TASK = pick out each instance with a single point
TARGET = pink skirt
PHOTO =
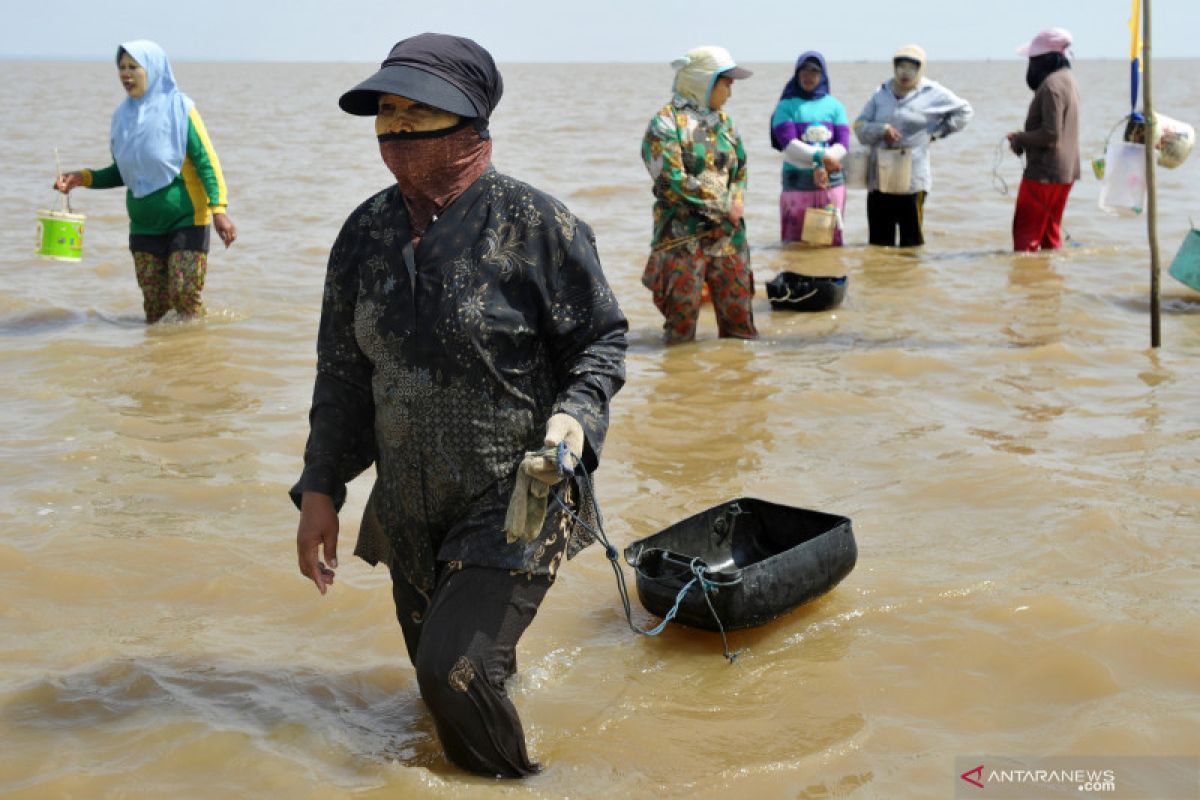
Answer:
(792, 206)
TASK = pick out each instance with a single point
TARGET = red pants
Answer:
(676, 279)
(1037, 220)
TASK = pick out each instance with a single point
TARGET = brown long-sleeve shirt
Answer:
(1051, 135)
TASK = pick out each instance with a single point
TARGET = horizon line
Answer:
(95, 59)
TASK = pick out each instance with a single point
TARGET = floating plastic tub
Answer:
(1185, 267)
(791, 291)
(762, 560)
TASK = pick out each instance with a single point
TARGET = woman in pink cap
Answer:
(1049, 142)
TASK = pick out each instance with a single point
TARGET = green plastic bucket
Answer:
(60, 235)
(1186, 266)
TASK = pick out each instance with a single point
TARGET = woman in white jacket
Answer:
(905, 114)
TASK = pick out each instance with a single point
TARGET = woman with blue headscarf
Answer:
(174, 186)
(811, 129)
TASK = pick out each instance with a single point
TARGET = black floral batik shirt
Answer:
(441, 365)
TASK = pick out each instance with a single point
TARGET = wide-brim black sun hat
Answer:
(448, 72)
(409, 82)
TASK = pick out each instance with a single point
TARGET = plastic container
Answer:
(1174, 140)
(894, 170)
(1185, 268)
(762, 559)
(1124, 189)
(855, 166)
(791, 291)
(820, 225)
(60, 235)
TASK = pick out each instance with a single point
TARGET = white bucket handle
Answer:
(66, 196)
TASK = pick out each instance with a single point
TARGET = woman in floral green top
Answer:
(696, 159)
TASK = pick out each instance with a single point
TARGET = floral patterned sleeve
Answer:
(341, 440)
(662, 151)
(587, 337)
(738, 177)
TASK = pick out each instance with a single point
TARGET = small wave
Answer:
(360, 710)
(609, 190)
(118, 320)
(40, 321)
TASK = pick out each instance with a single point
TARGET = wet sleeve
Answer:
(105, 178)
(587, 338)
(208, 167)
(663, 156)
(341, 439)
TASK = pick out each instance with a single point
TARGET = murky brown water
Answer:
(1023, 473)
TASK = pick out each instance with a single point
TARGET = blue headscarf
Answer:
(793, 88)
(149, 133)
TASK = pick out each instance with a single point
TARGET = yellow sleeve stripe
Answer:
(196, 193)
(202, 205)
(202, 132)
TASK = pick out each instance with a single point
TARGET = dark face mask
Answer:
(1042, 67)
(434, 167)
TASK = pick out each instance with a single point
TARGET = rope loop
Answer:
(696, 566)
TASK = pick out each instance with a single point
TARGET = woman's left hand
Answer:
(225, 228)
(821, 177)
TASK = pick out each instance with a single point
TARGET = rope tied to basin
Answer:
(697, 567)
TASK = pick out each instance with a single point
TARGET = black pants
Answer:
(462, 640)
(463, 645)
(886, 212)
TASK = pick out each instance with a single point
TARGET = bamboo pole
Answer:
(1151, 196)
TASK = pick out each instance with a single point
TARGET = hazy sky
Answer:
(598, 30)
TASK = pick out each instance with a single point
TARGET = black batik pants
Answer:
(462, 640)
(887, 212)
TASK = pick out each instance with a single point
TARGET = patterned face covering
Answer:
(434, 167)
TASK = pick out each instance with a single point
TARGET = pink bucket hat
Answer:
(1051, 40)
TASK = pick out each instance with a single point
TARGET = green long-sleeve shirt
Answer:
(197, 192)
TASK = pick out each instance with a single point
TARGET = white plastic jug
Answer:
(1174, 140)
(1124, 189)
(894, 170)
(855, 166)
